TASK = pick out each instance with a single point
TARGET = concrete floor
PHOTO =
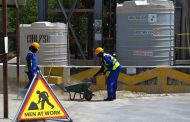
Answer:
(131, 108)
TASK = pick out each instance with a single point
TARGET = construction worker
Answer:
(109, 63)
(31, 67)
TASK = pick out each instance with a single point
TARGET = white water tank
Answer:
(53, 42)
(145, 33)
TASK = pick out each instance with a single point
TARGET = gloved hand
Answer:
(104, 73)
(38, 69)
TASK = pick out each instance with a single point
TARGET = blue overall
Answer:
(112, 79)
(31, 67)
(112, 83)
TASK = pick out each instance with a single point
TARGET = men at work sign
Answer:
(40, 103)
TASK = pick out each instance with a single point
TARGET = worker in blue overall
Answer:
(31, 67)
(109, 63)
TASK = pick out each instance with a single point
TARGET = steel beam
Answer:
(70, 26)
(17, 43)
(98, 7)
(42, 10)
(75, 10)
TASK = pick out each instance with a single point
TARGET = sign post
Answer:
(5, 57)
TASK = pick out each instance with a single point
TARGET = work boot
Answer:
(108, 99)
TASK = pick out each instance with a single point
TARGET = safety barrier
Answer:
(151, 80)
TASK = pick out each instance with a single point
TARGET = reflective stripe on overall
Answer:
(114, 61)
(26, 66)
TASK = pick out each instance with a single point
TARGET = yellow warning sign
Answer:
(41, 103)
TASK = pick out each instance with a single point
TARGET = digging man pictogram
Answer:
(43, 97)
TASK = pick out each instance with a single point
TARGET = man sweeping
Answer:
(109, 63)
(31, 67)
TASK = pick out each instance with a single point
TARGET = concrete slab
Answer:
(132, 107)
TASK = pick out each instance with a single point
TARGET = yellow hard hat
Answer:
(99, 50)
(36, 45)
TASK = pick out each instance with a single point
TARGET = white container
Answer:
(53, 42)
(145, 33)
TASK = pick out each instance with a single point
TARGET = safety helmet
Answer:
(36, 45)
(99, 50)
